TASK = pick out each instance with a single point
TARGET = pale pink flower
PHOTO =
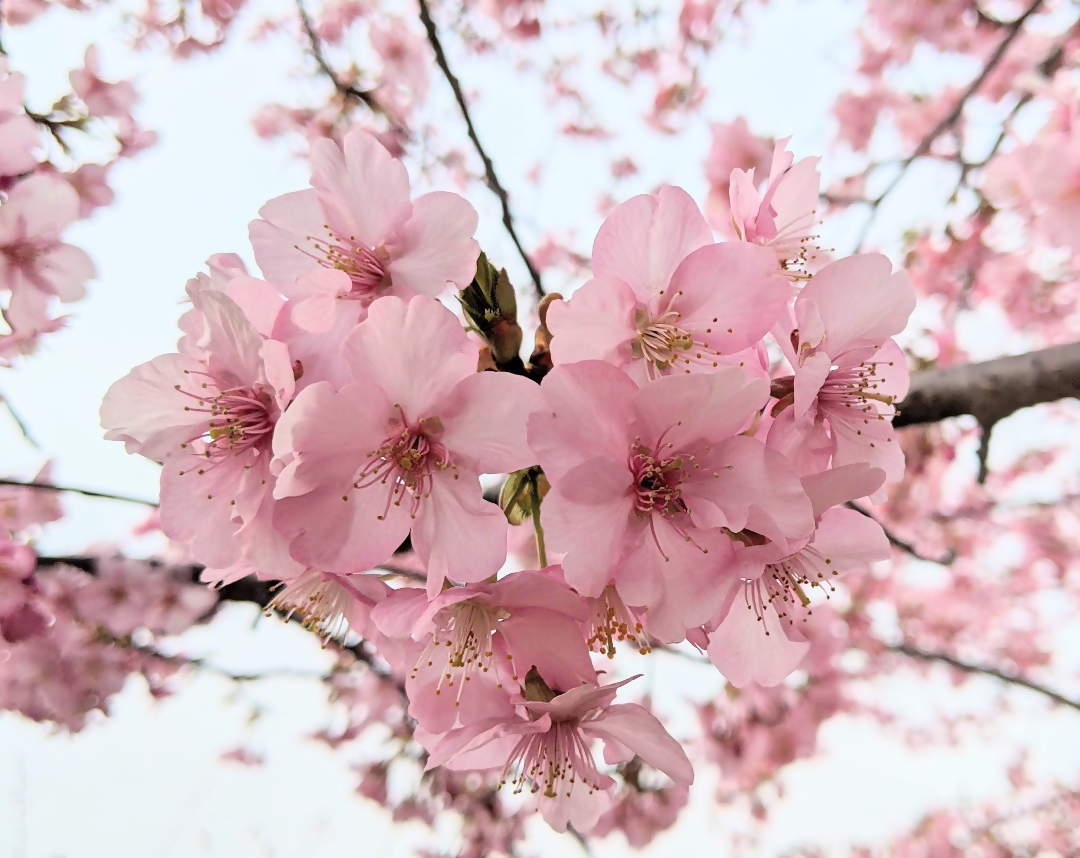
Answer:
(401, 448)
(480, 641)
(849, 372)
(34, 263)
(357, 236)
(19, 134)
(100, 97)
(733, 147)
(210, 421)
(643, 480)
(762, 643)
(404, 53)
(551, 750)
(664, 298)
(784, 217)
(331, 605)
(90, 182)
(22, 508)
(132, 138)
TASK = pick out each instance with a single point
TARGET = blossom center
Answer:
(238, 419)
(366, 266)
(462, 645)
(857, 386)
(661, 343)
(610, 620)
(552, 761)
(406, 463)
(782, 586)
(321, 600)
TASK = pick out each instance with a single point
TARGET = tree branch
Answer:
(966, 667)
(364, 96)
(86, 492)
(1014, 28)
(992, 390)
(903, 544)
(489, 169)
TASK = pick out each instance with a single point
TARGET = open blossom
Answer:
(401, 448)
(755, 636)
(101, 97)
(548, 751)
(480, 641)
(664, 298)
(784, 217)
(209, 415)
(19, 134)
(645, 480)
(356, 236)
(35, 265)
(848, 370)
(330, 604)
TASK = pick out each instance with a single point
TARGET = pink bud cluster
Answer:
(711, 410)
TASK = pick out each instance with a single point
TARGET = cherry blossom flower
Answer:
(210, 419)
(643, 480)
(35, 264)
(550, 748)
(784, 217)
(401, 448)
(479, 641)
(848, 370)
(100, 97)
(19, 134)
(331, 604)
(763, 644)
(664, 298)
(356, 236)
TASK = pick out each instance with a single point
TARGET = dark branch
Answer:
(992, 390)
(966, 667)
(1013, 30)
(86, 492)
(903, 544)
(365, 97)
(489, 169)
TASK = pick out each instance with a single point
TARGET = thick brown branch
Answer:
(993, 389)
(983, 670)
(489, 169)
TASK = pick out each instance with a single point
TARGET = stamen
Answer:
(610, 620)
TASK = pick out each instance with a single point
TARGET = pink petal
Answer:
(550, 642)
(693, 411)
(457, 533)
(587, 416)
(810, 374)
(591, 536)
(365, 192)
(144, 409)
(734, 283)
(838, 485)
(643, 240)
(743, 652)
(260, 302)
(435, 248)
(416, 352)
(324, 437)
(635, 727)
(806, 445)
(286, 222)
(849, 540)
(860, 300)
(536, 590)
(484, 421)
(596, 324)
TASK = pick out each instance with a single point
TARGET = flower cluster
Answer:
(709, 411)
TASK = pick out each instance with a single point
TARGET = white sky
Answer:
(149, 780)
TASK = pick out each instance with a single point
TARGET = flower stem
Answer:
(541, 550)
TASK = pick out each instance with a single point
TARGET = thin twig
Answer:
(23, 428)
(903, 544)
(87, 492)
(983, 670)
(489, 169)
(1014, 29)
(364, 96)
